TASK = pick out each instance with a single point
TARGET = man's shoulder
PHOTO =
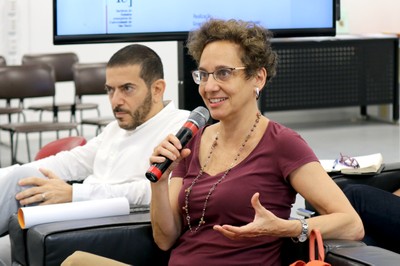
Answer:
(183, 112)
(112, 125)
(174, 119)
(179, 116)
(179, 113)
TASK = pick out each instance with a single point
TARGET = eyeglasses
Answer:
(346, 161)
(222, 74)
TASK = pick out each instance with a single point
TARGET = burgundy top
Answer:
(279, 152)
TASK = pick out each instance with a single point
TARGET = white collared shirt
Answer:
(114, 163)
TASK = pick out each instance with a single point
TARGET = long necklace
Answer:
(213, 187)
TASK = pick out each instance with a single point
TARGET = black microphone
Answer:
(197, 119)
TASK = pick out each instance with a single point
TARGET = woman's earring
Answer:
(257, 93)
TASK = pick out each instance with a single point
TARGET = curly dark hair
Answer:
(252, 38)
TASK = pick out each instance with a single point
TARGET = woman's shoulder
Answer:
(276, 128)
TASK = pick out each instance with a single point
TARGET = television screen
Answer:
(91, 21)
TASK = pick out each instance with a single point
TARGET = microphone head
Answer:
(199, 116)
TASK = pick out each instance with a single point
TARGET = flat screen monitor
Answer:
(102, 21)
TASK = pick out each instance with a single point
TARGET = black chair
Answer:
(3, 61)
(50, 244)
(61, 64)
(30, 81)
(90, 79)
(8, 109)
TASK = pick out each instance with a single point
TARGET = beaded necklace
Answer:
(213, 187)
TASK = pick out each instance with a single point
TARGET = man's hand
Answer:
(48, 190)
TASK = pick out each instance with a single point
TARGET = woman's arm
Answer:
(165, 214)
(337, 218)
(164, 208)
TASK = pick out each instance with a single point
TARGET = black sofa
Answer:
(126, 238)
(129, 239)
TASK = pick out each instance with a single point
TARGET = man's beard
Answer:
(139, 116)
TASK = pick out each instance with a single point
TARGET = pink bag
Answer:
(315, 236)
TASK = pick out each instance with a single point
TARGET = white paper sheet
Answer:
(30, 216)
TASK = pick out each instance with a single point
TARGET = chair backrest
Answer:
(3, 61)
(26, 81)
(56, 146)
(61, 62)
(89, 78)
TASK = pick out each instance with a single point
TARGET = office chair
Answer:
(3, 61)
(62, 64)
(90, 79)
(9, 110)
(30, 81)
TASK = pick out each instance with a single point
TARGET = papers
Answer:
(368, 164)
(30, 216)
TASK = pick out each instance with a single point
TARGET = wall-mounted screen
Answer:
(91, 21)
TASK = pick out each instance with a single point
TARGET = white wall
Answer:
(366, 16)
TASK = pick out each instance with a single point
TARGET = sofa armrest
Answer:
(362, 255)
(126, 238)
(341, 252)
(331, 244)
(293, 251)
(388, 179)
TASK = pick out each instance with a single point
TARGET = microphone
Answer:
(197, 119)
